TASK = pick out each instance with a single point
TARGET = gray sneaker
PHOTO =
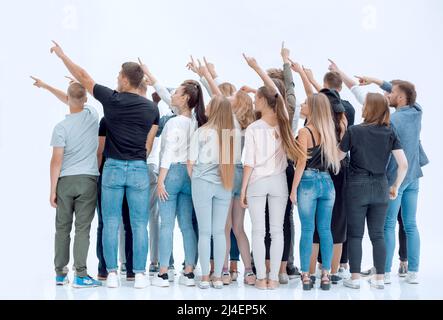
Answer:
(283, 278)
(402, 270)
(368, 273)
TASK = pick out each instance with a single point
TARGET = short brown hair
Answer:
(276, 74)
(408, 89)
(376, 110)
(76, 91)
(134, 73)
(333, 80)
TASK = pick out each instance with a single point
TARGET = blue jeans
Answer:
(316, 197)
(407, 200)
(130, 177)
(179, 204)
(211, 202)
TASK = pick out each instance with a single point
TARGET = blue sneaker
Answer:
(61, 280)
(85, 282)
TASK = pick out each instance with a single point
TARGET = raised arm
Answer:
(262, 74)
(306, 83)
(207, 75)
(59, 94)
(289, 82)
(164, 94)
(77, 72)
(312, 80)
(349, 82)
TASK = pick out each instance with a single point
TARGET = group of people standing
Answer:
(206, 164)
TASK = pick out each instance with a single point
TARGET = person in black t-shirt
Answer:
(132, 124)
(367, 193)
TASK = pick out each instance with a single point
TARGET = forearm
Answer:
(162, 175)
(59, 94)
(266, 79)
(299, 170)
(150, 139)
(290, 91)
(316, 85)
(247, 172)
(349, 82)
(306, 84)
(77, 72)
(55, 171)
(190, 167)
(163, 93)
(215, 90)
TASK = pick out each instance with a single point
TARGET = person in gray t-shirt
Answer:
(74, 174)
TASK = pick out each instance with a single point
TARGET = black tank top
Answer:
(316, 161)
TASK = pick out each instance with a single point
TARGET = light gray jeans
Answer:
(211, 203)
(275, 190)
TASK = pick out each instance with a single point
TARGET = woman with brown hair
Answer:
(269, 143)
(367, 192)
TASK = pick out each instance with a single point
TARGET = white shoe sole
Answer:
(187, 283)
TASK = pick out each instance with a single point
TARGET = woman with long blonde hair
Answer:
(313, 190)
(211, 166)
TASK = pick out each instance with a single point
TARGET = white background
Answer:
(388, 39)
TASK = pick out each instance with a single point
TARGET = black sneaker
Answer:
(161, 280)
(335, 279)
(293, 272)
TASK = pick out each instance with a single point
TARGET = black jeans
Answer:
(367, 198)
(128, 234)
(287, 222)
(403, 250)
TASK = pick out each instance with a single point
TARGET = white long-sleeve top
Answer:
(175, 141)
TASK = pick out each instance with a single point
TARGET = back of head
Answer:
(333, 80)
(243, 108)
(193, 90)
(143, 87)
(227, 89)
(77, 93)
(321, 118)
(408, 89)
(275, 73)
(376, 110)
(276, 103)
(134, 73)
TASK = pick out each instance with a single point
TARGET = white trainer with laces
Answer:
(141, 281)
(113, 280)
(412, 278)
(377, 284)
(353, 284)
(387, 279)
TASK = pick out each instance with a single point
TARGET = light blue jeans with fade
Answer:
(130, 177)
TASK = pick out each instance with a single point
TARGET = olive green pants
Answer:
(75, 195)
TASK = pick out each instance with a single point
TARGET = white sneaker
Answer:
(171, 275)
(377, 284)
(412, 278)
(160, 281)
(187, 280)
(113, 281)
(204, 285)
(344, 273)
(387, 279)
(217, 284)
(141, 281)
(353, 284)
